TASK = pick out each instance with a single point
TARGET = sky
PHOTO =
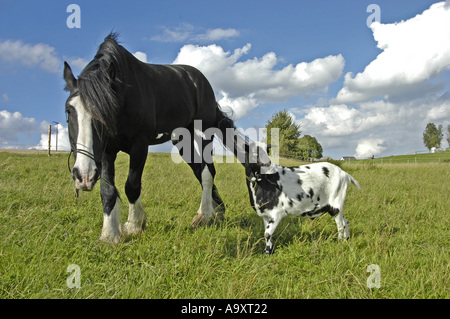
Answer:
(363, 77)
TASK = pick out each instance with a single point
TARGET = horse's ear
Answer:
(71, 82)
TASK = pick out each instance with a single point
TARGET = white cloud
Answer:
(341, 120)
(5, 97)
(11, 124)
(141, 56)
(438, 112)
(369, 147)
(63, 138)
(40, 54)
(245, 84)
(217, 34)
(78, 62)
(341, 128)
(384, 109)
(174, 34)
(187, 32)
(209, 58)
(414, 51)
(240, 105)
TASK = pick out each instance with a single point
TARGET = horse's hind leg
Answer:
(206, 209)
(136, 214)
(219, 206)
(211, 204)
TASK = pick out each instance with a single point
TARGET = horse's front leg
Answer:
(137, 217)
(111, 230)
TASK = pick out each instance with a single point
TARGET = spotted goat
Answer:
(305, 191)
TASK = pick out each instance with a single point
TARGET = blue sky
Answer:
(359, 90)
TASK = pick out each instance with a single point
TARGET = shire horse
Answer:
(119, 103)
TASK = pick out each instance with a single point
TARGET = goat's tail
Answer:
(231, 138)
(354, 181)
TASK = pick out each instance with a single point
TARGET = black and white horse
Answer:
(119, 103)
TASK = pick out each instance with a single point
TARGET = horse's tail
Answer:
(231, 138)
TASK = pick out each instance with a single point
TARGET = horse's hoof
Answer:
(131, 230)
(219, 216)
(199, 220)
(110, 240)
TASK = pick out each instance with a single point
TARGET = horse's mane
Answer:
(99, 84)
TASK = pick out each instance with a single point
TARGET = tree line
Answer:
(291, 144)
(432, 136)
(307, 147)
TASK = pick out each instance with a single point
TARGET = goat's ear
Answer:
(263, 157)
(71, 82)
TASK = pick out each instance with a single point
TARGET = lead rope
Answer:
(70, 171)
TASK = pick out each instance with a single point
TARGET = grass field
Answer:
(400, 221)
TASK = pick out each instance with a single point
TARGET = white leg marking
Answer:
(206, 210)
(207, 202)
(111, 230)
(136, 218)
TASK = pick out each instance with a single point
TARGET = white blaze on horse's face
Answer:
(84, 172)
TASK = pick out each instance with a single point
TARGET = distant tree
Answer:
(308, 147)
(290, 142)
(289, 132)
(432, 136)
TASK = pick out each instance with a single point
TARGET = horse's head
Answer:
(84, 139)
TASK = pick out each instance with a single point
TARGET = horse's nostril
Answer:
(76, 174)
(96, 175)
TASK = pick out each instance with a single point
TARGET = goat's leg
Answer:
(342, 226)
(271, 222)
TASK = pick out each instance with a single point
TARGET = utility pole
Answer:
(57, 123)
(49, 138)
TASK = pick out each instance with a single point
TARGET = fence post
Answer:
(49, 138)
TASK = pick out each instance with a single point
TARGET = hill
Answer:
(410, 159)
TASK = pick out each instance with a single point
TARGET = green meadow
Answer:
(399, 221)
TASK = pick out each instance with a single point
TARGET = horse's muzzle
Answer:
(85, 182)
